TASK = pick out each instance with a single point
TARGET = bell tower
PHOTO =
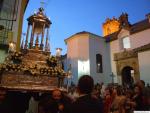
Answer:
(110, 26)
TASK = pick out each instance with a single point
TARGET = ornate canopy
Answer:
(39, 19)
(33, 68)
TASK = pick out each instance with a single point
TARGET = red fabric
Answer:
(107, 104)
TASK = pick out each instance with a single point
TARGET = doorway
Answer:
(127, 76)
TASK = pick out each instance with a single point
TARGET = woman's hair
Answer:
(119, 91)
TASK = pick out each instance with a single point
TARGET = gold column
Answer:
(26, 43)
(37, 42)
(43, 31)
(32, 36)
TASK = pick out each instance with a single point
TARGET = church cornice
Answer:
(81, 33)
(142, 48)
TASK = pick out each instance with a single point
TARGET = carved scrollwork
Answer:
(124, 55)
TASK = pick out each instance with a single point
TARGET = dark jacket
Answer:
(52, 106)
(139, 103)
(15, 102)
(87, 104)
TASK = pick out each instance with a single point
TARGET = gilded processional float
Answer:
(33, 68)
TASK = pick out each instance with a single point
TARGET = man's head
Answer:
(141, 84)
(85, 84)
(56, 94)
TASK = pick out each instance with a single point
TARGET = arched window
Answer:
(99, 64)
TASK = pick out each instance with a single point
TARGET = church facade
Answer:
(129, 50)
(124, 50)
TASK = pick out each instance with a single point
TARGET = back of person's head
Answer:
(142, 81)
(119, 91)
(85, 84)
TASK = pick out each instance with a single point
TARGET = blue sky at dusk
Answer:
(71, 16)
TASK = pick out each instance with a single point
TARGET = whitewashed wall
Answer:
(99, 46)
(78, 55)
(140, 38)
(72, 54)
(144, 66)
(83, 55)
(114, 48)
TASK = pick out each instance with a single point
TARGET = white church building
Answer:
(120, 56)
(88, 54)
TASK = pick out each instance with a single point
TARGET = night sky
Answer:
(71, 16)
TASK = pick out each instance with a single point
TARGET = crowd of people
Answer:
(121, 99)
(89, 98)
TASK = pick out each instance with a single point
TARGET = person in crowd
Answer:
(33, 103)
(97, 95)
(117, 105)
(74, 94)
(86, 103)
(107, 99)
(57, 103)
(14, 102)
(128, 102)
(103, 87)
(138, 99)
(2, 95)
(97, 87)
(2, 98)
(145, 94)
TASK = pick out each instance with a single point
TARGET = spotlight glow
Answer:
(83, 68)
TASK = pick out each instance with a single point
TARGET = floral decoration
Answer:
(16, 57)
(34, 69)
(52, 61)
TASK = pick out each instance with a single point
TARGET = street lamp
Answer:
(58, 56)
(12, 47)
(58, 52)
